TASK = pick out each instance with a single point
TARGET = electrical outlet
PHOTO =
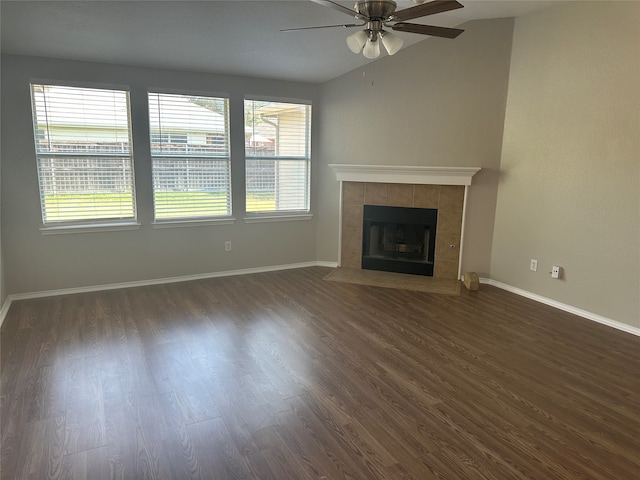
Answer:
(555, 271)
(533, 266)
(227, 246)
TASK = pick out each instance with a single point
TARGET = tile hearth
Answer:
(416, 283)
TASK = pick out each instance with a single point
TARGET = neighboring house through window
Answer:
(190, 156)
(84, 155)
(277, 156)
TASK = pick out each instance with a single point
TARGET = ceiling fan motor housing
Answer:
(376, 10)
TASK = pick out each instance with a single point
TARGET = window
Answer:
(84, 156)
(190, 156)
(277, 156)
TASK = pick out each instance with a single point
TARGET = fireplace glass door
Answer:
(398, 239)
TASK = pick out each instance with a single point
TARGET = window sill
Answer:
(194, 223)
(89, 228)
(278, 218)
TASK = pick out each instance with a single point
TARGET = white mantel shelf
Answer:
(419, 175)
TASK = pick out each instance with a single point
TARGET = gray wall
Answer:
(439, 103)
(3, 286)
(569, 192)
(36, 262)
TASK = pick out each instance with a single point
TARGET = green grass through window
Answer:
(104, 206)
(88, 206)
(261, 202)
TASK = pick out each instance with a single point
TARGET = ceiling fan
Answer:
(379, 14)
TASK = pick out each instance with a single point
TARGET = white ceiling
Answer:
(229, 36)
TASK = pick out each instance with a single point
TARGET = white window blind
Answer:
(277, 156)
(190, 156)
(84, 156)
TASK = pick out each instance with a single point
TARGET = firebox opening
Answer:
(398, 239)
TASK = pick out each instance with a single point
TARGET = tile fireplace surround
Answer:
(442, 188)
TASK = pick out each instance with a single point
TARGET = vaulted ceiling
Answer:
(229, 36)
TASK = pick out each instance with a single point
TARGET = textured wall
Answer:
(3, 286)
(35, 262)
(569, 192)
(438, 103)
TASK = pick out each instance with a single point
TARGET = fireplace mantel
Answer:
(420, 175)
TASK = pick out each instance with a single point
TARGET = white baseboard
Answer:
(326, 264)
(5, 309)
(563, 306)
(155, 281)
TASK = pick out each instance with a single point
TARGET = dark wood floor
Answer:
(286, 376)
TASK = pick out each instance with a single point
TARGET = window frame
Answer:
(285, 214)
(188, 221)
(81, 225)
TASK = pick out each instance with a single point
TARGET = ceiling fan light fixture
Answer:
(356, 41)
(380, 14)
(372, 48)
(392, 43)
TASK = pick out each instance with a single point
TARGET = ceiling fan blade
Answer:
(344, 25)
(340, 8)
(432, 30)
(431, 8)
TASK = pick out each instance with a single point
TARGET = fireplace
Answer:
(399, 239)
(441, 189)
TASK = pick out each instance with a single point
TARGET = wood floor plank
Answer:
(214, 446)
(284, 375)
(94, 464)
(283, 465)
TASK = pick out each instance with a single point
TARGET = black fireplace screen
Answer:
(398, 239)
